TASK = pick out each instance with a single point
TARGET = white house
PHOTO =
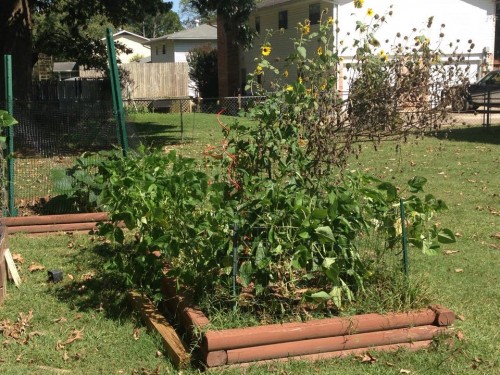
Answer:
(464, 20)
(175, 47)
(134, 42)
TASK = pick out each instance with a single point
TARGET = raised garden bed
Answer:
(54, 223)
(311, 340)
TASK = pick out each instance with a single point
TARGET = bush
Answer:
(203, 71)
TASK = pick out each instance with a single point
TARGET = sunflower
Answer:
(358, 3)
(259, 70)
(285, 73)
(383, 55)
(289, 88)
(330, 20)
(369, 12)
(319, 51)
(266, 50)
(306, 29)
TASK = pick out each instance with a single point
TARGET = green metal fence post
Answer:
(116, 92)
(9, 96)
(404, 239)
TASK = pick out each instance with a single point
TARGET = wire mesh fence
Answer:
(62, 120)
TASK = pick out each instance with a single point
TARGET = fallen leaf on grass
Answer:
(367, 358)
(70, 276)
(404, 371)
(75, 335)
(65, 356)
(62, 319)
(460, 336)
(158, 354)
(493, 246)
(459, 270)
(35, 267)
(87, 276)
(71, 245)
(136, 334)
(18, 358)
(460, 317)
(18, 258)
(451, 252)
(495, 235)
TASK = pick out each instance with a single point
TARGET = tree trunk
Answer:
(228, 59)
(15, 40)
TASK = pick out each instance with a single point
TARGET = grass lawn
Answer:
(462, 166)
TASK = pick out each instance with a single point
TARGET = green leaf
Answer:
(336, 296)
(320, 297)
(302, 52)
(6, 119)
(392, 192)
(446, 236)
(319, 213)
(325, 234)
(417, 183)
(246, 273)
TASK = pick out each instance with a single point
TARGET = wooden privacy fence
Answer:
(152, 80)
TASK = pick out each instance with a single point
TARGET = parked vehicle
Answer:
(485, 92)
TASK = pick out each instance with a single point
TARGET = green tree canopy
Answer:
(234, 13)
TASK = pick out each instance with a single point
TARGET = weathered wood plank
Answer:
(154, 320)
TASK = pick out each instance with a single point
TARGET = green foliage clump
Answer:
(203, 71)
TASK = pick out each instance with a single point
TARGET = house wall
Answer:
(176, 50)
(281, 41)
(464, 20)
(137, 47)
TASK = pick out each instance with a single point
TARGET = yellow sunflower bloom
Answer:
(369, 12)
(330, 20)
(359, 3)
(266, 50)
(319, 51)
(306, 29)
(259, 70)
(289, 88)
(285, 73)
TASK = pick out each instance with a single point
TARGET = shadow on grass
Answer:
(476, 134)
(157, 135)
(103, 290)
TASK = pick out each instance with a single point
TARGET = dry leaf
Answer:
(70, 276)
(158, 354)
(460, 317)
(493, 246)
(35, 267)
(136, 333)
(404, 371)
(18, 258)
(62, 319)
(495, 235)
(71, 245)
(18, 358)
(367, 358)
(78, 316)
(75, 335)
(459, 270)
(65, 356)
(460, 336)
(390, 364)
(450, 252)
(87, 276)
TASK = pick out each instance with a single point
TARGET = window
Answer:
(283, 19)
(257, 24)
(314, 13)
(164, 50)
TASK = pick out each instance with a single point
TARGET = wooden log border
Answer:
(54, 223)
(3, 266)
(311, 340)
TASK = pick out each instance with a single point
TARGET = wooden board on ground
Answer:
(11, 267)
(156, 321)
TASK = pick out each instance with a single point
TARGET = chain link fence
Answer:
(62, 120)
